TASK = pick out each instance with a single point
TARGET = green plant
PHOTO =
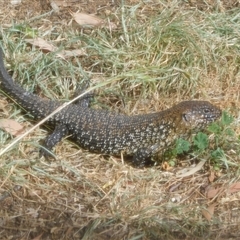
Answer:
(215, 145)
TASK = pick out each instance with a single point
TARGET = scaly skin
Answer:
(140, 136)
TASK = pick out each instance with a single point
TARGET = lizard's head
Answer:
(198, 114)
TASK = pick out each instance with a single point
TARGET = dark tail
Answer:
(38, 107)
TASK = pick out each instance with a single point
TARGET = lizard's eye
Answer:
(206, 110)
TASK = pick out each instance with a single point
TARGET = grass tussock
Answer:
(160, 54)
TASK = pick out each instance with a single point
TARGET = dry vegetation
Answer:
(146, 56)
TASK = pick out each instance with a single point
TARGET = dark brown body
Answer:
(141, 136)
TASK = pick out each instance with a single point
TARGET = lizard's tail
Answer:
(38, 107)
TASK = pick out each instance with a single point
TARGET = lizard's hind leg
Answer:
(85, 100)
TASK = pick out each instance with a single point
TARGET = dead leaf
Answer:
(42, 44)
(84, 19)
(211, 177)
(73, 53)
(235, 187)
(54, 6)
(47, 47)
(87, 20)
(64, 3)
(191, 170)
(208, 213)
(213, 192)
(11, 126)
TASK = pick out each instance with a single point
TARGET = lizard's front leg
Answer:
(59, 132)
(143, 157)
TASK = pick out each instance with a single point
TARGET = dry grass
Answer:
(160, 54)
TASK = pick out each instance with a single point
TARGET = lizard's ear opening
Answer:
(186, 117)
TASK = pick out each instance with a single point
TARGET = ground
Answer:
(149, 55)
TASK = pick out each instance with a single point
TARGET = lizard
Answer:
(101, 131)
